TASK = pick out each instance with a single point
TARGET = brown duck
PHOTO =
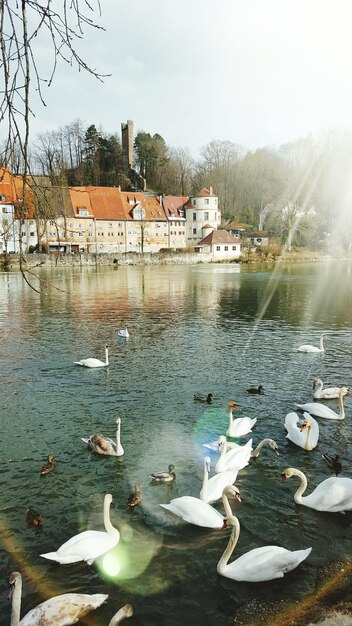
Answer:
(135, 498)
(48, 466)
(34, 518)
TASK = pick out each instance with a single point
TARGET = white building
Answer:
(221, 245)
(9, 239)
(202, 211)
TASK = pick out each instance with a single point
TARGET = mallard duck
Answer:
(256, 390)
(333, 462)
(135, 498)
(34, 518)
(48, 466)
(204, 398)
(164, 476)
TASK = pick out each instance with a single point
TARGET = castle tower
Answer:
(127, 140)
(202, 215)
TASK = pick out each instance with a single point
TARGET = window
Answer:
(83, 212)
(2, 198)
(194, 231)
(182, 213)
(226, 248)
(90, 234)
(218, 248)
(152, 213)
(110, 225)
(206, 200)
(234, 247)
(31, 234)
(80, 234)
(194, 203)
(194, 216)
(52, 223)
(206, 215)
(4, 209)
(23, 234)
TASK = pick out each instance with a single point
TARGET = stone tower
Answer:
(127, 146)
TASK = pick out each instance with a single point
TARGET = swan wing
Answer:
(64, 610)
(330, 393)
(318, 409)
(90, 363)
(101, 444)
(235, 459)
(86, 546)
(265, 563)
(241, 426)
(333, 494)
(217, 484)
(308, 348)
(195, 511)
(213, 445)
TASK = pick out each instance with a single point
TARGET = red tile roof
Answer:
(152, 207)
(173, 204)
(219, 236)
(204, 193)
(103, 203)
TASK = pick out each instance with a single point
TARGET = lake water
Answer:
(193, 329)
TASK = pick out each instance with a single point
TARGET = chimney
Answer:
(211, 190)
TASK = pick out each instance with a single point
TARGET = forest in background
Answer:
(306, 183)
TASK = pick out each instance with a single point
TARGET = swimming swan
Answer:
(212, 488)
(88, 545)
(125, 611)
(329, 393)
(195, 511)
(104, 445)
(310, 348)
(123, 333)
(238, 456)
(333, 494)
(320, 410)
(61, 610)
(260, 564)
(95, 362)
(240, 426)
(304, 434)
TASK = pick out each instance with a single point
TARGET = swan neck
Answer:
(107, 523)
(307, 445)
(230, 546)
(256, 452)
(118, 617)
(322, 343)
(230, 416)
(341, 406)
(106, 356)
(16, 603)
(118, 436)
(302, 487)
(226, 504)
(205, 482)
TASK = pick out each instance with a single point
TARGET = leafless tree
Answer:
(22, 23)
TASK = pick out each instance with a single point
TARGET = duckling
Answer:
(204, 398)
(48, 466)
(164, 476)
(135, 497)
(256, 390)
(34, 518)
(333, 462)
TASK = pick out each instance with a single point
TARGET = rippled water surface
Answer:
(192, 329)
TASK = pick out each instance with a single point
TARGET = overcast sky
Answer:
(254, 72)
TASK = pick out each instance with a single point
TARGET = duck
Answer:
(332, 495)
(237, 457)
(240, 426)
(309, 348)
(164, 476)
(329, 393)
(135, 498)
(259, 564)
(88, 545)
(199, 513)
(333, 462)
(303, 434)
(48, 466)
(91, 362)
(256, 390)
(320, 410)
(125, 611)
(104, 445)
(61, 610)
(204, 398)
(123, 333)
(212, 488)
(34, 518)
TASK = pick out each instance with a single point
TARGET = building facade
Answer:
(201, 210)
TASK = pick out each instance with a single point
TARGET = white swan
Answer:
(95, 362)
(240, 426)
(125, 611)
(212, 488)
(90, 544)
(320, 410)
(333, 494)
(123, 333)
(329, 393)
(195, 511)
(309, 348)
(238, 456)
(304, 434)
(104, 445)
(61, 610)
(260, 564)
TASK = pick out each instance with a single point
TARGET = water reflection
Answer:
(192, 329)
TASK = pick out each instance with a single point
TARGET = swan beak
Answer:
(282, 478)
(238, 497)
(277, 452)
(224, 525)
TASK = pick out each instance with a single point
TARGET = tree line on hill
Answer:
(302, 188)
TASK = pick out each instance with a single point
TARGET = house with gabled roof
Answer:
(175, 210)
(147, 228)
(16, 212)
(220, 244)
